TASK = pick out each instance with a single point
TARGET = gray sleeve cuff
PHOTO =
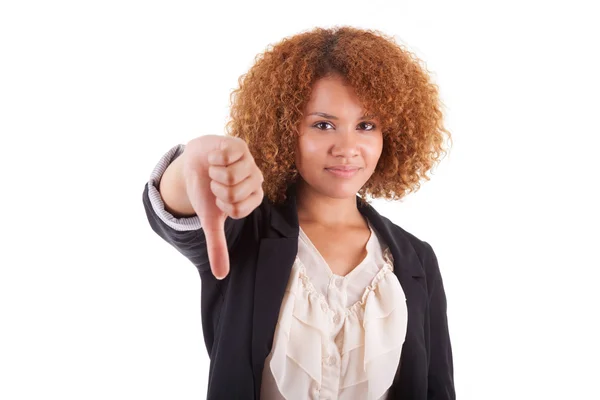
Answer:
(158, 206)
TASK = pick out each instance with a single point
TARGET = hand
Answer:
(221, 180)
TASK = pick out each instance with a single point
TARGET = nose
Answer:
(345, 144)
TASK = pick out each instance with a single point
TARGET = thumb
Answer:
(216, 243)
(212, 222)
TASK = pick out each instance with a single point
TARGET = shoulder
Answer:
(421, 247)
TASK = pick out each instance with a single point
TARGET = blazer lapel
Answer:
(276, 256)
(406, 262)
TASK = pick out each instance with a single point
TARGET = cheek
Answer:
(308, 149)
(379, 146)
(309, 146)
(373, 153)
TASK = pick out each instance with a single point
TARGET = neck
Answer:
(316, 208)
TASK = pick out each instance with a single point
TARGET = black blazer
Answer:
(240, 312)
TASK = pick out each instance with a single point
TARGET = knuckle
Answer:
(230, 195)
(225, 156)
(230, 178)
(237, 145)
(241, 142)
(236, 211)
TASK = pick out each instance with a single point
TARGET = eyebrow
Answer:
(325, 115)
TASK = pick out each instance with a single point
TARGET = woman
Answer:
(307, 291)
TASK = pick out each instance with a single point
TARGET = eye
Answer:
(321, 123)
(373, 126)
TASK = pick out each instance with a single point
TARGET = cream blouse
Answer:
(337, 337)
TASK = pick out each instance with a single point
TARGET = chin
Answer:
(339, 191)
(335, 189)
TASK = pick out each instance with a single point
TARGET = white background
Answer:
(94, 305)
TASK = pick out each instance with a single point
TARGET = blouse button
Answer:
(336, 318)
(331, 360)
(323, 307)
(338, 282)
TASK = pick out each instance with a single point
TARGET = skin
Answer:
(327, 203)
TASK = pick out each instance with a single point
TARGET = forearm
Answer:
(173, 191)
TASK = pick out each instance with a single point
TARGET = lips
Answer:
(342, 172)
(343, 168)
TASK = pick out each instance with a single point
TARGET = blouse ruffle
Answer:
(369, 342)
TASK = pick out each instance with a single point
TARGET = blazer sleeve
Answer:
(441, 370)
(184, 234)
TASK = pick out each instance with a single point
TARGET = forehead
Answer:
(332, 94)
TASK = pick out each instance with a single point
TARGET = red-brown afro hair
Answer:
(389, 81)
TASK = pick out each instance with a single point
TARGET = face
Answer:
(338, 147)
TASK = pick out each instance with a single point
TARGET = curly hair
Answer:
(268, 106)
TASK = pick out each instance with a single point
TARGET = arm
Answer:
(182, 230)
(162, 190)
(172, 188)
(441, 370)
